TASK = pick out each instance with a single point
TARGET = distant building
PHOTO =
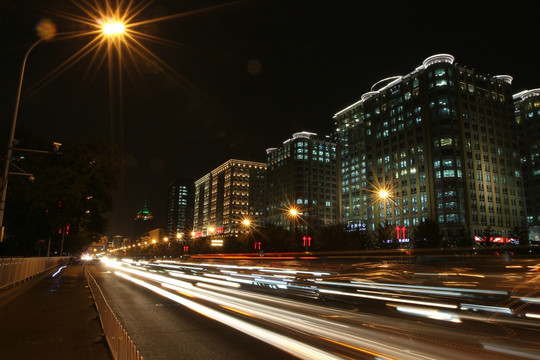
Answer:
(144, 220)
(153, 236)
(527, 112)
(444, 141)
(180, 203)
(117, 241)
(303, 174)
(229, 194)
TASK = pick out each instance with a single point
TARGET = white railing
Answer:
(120, 344)
(15, 270)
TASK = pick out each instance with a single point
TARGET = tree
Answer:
(331, 238)
(384, 234)
(520, 233)
(275, 238)
(68, 198)
(427, 234)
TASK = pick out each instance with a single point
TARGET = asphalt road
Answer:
(373, 311)
(162, 329)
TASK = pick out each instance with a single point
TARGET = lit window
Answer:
(446, 141)
(441, 82)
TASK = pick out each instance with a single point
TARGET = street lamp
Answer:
(293, 214)
(11, 139)
(46, 30)
(113, 28)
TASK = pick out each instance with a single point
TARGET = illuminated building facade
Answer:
(228, 195)
(527, 111)
(302, 174)
(144, 220)
(180, 208)
(444, 141)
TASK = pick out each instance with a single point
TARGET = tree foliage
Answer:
(71, 192)
(427, 234)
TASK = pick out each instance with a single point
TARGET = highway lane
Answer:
(396, 320)
(163, 329)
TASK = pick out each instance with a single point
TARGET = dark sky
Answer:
(235, 79)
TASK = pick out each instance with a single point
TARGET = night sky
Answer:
(231, 79)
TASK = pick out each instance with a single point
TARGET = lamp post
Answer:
(11, 139)
(246, 223)
(46, 31)
(384, 194)
(293, 214)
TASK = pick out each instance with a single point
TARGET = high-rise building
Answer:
(180, 201)
(228, 195)
(302, 175)
(527, 107)
(443, 141)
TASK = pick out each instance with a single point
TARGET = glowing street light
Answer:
(246, 222)
(46, 30)
(113, 27)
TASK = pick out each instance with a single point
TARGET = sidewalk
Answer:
(51, 318)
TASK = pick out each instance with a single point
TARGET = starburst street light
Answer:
(113, 27)
(46, 30)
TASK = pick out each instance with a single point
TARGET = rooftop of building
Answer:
(386, 83)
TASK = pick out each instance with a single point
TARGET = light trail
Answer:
(296, 348)
(387, 298)
(347, 330)
(354, 337)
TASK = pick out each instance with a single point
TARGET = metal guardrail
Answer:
(120, 344)
(15, 270)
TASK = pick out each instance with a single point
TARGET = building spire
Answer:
(145, 213)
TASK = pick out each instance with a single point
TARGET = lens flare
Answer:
(113, 28)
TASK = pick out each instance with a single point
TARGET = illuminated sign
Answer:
(217, 242)
(497, 240)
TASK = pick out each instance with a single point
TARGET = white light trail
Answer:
(495, 309)
(58, 271)
(296, 348)
(430, 313)
(319, 328)
(387, 298)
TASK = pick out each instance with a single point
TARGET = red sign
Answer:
(402, 229)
